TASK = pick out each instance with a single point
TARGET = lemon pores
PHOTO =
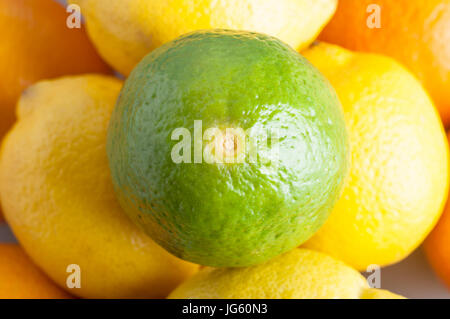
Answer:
(398, 181)
(57, 195)
(298, 274)
(215, 212)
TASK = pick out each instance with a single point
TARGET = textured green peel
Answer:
(228, 214)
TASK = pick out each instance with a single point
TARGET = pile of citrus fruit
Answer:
(221, 149)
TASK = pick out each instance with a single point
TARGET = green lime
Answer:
(228, 148)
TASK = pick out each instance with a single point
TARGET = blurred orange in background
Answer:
(416, 33)
(37, 44)
(437, 245)
(21, 279)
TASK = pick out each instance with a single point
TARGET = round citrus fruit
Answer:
(298, 274)
(21, 279)
(437, 246)
(415, 33)
(57, 194)
(124, 31)
(398, 180)
(227, 147)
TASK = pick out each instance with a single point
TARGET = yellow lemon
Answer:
(397, 186)
(124, 31)
(298, 274)
(57, 195)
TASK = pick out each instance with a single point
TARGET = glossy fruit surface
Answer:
(124, 31)
(398, 181)
(58, 198)
(208, 210)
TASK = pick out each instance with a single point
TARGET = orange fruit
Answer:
(436, 246)
(37, 44)
(21, 279)
(416, 33)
